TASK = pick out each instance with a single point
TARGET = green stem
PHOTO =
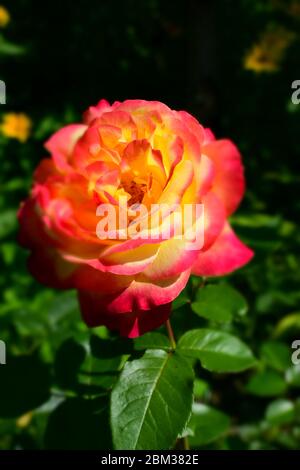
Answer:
(185, 441)
(171, 334)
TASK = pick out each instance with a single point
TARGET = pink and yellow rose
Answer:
(148, 153)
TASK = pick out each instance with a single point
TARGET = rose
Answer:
(150, 154)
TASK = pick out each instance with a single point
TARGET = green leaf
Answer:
(151, 340)
(217, 351)
(10, 49)
(267, 383)
(25, 385)
(68, 360)
(206, 425)
(151, 402)
(180, 301)
(78, 370)
(97, 374)
(292, 376)
(110, 348)
(276, 355)
(200, 388)
(62, 307)
(219, 303)
(280, 411)
(288, 324)
(78, 424)
(8, 222)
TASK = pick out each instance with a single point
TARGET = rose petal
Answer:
(229, 182)
(95, 112)
(224, 256)
(130, 325)
(62, 143)
(141, 294)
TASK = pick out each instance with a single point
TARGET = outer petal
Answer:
(130, 324)
(229, 183)
(49, 268)
(193, 125)
(225, 255)
(208, 135)
(214, 218)
(206, 171)
(93, 112)
(61, 144)
(143, 106)
(141, 294)
(140, 307)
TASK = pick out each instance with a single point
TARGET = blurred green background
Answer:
(231, 64)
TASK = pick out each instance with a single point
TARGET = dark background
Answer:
(189, 55)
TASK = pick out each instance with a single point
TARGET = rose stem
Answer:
(185, 441)
(171, 334)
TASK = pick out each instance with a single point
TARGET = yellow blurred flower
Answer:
(24, 420)
(294, 9)
(291, 8)
(4, 17)
(16, 125)
(267, 54)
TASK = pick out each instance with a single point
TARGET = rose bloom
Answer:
(150, 154)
